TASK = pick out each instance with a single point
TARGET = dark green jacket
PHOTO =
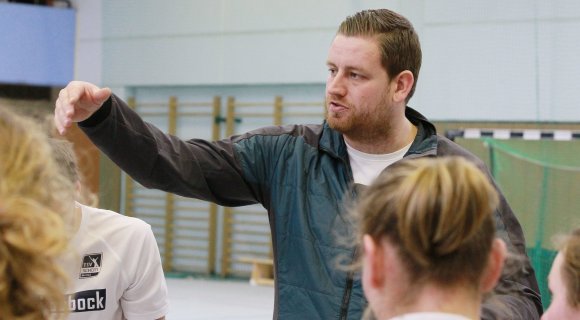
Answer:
(301, 175)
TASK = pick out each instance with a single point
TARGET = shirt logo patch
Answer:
(89, 300)
(91, 265)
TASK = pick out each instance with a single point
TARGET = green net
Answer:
(541, 181)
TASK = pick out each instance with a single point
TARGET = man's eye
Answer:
(355, 75)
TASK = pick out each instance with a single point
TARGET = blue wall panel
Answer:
(36, 44)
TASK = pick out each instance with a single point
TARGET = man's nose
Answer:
(336, 86)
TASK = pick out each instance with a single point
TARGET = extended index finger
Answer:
(66, 104)
(71, 96)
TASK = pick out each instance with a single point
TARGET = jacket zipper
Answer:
(346, 296)
(350, 274)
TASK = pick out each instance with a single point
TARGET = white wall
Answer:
(483, 60)
(89, 40)
(200, 42)
(501, 60)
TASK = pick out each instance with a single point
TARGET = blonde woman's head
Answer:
(35, 202)
(436, 216)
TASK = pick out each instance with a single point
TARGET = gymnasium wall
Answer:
(483, 60)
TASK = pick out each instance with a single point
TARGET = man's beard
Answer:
(358, 126)
(341, 124)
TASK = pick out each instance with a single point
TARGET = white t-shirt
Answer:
(430, 316)
(366, 167)
(119, 273)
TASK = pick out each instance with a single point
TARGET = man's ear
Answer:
(403, 83)
(374, 261)
(495, 265)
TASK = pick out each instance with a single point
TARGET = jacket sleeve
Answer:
(195, 168)
(517, 294)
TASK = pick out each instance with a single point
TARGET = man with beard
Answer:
(302, 174)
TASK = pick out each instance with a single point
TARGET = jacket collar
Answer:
(425, 142)
(332, 142)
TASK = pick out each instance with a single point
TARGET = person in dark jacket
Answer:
(302, 174)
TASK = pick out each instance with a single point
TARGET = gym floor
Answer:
(218, 299)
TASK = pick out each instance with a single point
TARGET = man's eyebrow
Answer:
(348, 68)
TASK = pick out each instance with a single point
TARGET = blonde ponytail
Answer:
(437, 212)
